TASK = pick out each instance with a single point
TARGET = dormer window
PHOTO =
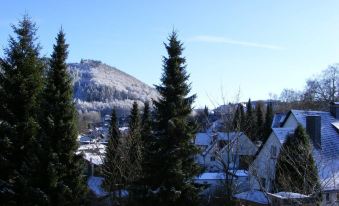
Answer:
(221, 144)
(273, 152)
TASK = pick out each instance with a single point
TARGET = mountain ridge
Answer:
(100, 87)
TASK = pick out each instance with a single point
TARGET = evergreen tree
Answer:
(242, 118)
(135, 143)
(113, 167)
(146, 135)
(173, 165)
(296, 170)
(268, 121)
(64, 168)
(134, 121)
(250, 129)
(21, 85)
(237, 119)
(141, 186)
(146, 124)
(259, 121)
(206, 112)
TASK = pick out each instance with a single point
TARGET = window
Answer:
(263, 182)
(244, 161)
(327, 197)
(273, 152)
(221, 144)
(212, 158)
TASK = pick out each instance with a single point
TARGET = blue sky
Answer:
(257, 47)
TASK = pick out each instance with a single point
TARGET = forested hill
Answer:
(99, 87)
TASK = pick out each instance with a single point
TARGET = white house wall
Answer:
(291, 122)
(264, 166)
(247, 147)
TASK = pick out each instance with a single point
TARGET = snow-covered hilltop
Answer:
(100, 87)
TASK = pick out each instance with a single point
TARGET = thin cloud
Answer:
(222, 40)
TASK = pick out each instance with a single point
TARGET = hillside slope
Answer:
(99, 87)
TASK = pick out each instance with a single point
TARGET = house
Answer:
(290, 198)
(252, 198)
(216, 180)
(263, 166)
(322, 128)
(235, 148)
(212, 180)
(94, 155)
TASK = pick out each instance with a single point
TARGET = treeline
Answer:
(319, 91)
(38, 135)
(254, 120)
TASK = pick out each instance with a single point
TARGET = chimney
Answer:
(334, 109)
(313, 129)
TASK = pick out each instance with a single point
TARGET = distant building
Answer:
(94, 155)
(233, 147)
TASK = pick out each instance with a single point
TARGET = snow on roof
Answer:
(211, 176)
(329, 135)
(228, 135)
(94, 147)
(282, 133)
(93, 158)
(203, 139)
(123, 129)
(336, 125)
(93, 153)
(327, 158)
(289, 195)
(84, 139)
(94, 184)
(239, 173)
(221, 175)
(253, 196)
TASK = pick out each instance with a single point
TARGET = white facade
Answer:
(225, 147)
(262, 170)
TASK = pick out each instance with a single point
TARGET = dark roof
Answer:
(278, 119)
(327, 157)
(329, 134)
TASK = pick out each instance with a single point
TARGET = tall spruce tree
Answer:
(259, 121)
(114, 169)
(21, 85)
(268, 121)
(139, 188)
(206, 112)
(173, 161)
(296, 170)
(242, 118)
(237, 119)
(250, 129)
(134, 148)
(146, 135)
(135, 143)
(146, 123)
(64, 168)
